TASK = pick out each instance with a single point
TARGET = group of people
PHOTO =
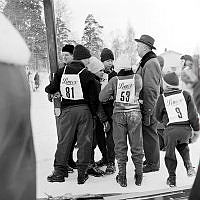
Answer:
(100, 107)
(96, 113)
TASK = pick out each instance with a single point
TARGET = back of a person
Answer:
(16, 143)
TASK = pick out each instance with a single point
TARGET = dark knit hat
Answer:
(80, 52)
(106, 54)
(171, 79)
(68, 48)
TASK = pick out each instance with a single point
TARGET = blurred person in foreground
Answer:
(127, 120)
(189, 77)
(17, 155)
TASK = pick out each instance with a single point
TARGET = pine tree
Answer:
(91, 37)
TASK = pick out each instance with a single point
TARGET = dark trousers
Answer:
(105, 142)
(161, 138)
(177, 137)
(151, 144)
(195, 191)
(74, 120)
(128, 124)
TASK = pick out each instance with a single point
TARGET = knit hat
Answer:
(171, 80)
(106, 54)
(95, 65)
(80, 52)
(68, 48)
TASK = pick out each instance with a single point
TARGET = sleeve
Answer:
(151, 87)
(159, 109)
(108, 91)
(54, 85)
(192, 112)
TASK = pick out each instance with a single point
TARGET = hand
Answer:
(50, 97)
(106, 126)
(146, 119)
(57, 95)
(195, 136)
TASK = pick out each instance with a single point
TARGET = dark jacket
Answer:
(161, 113)
(88, 84)
(150, 71)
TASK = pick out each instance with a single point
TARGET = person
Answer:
(79, 104)
(37, 80)
(188, 76)
(101, 123)
(107, 59)
(150, 71)
(187, 61)
(176, 109)
(18, 163)
(125, 88)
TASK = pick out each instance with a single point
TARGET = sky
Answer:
(174, 24)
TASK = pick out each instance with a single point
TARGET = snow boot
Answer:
(171, 181)
(110, 168)
(121, 177)
(138, 179)
(82, 176)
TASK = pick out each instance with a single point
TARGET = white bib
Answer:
(70, 86)
(104, 80)
(126, 91)
(176, 108)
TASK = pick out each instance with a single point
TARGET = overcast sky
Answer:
(175, 24)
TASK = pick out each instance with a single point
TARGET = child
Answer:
(125, 88)
(177, 111)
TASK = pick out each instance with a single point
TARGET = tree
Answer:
(130, 44)
(2, 4)
(25, 15)
(91, 38)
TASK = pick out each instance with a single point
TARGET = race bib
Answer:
(70, 86)
(176, 108)
(125, 91)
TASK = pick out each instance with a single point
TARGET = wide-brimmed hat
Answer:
(148, 40)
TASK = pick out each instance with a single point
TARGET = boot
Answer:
(57, 176)
(121, 179)
(72, 164)
(101, 162)
(110, 168)
(190, 171)
(138, 179)
(82, 176)
(171, 181)
(95, 171)
(70, 169)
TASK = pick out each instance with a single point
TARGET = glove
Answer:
(195, 136)
(106, 126)
(146, 119)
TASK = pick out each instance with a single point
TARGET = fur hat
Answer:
(13, 47)
(80, 52)
(106, 54)
(171, 80)
(68, 48)
(95, 65)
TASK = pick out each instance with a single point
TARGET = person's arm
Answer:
(151, 90)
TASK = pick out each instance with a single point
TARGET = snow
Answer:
(45, 140)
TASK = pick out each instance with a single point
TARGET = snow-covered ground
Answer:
(45, 140)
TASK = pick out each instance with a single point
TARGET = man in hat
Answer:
(79, 105)
(17, 157)
(150, 71)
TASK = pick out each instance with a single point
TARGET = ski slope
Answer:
(45, 140)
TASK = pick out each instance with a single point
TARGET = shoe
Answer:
(138, 179)
(70, 169)
(149, 168)
(94, 171)
(171, 181)
(57, 177)
(101, 162)
(72, 164)
(121, 179)
(82, 178)
(191, 171)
